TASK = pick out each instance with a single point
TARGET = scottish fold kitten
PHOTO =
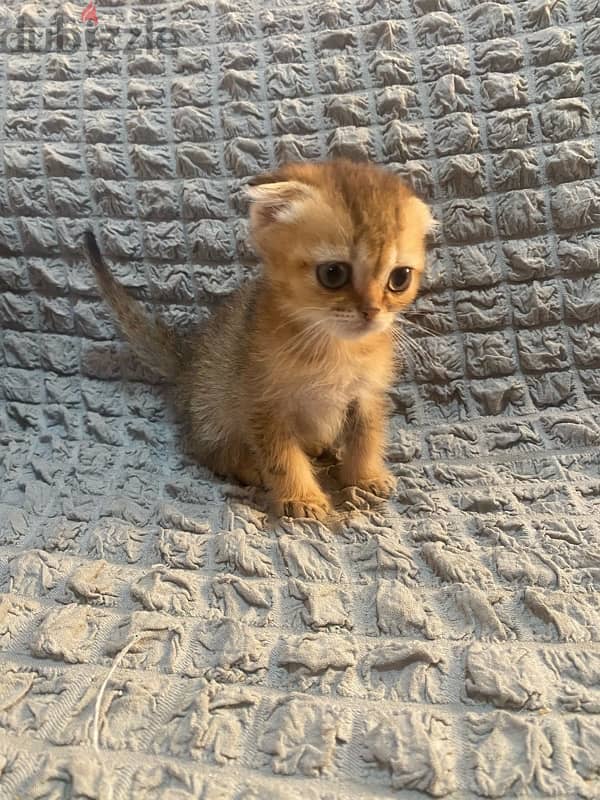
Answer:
(299, 360)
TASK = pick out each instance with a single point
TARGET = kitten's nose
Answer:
(370, 312)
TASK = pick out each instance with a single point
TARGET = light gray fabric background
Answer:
(444, 645)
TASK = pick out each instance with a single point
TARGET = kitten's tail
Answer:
(157, 346)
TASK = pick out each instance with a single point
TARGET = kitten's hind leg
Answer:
(245, 471)
(228, 460)
(238, 463)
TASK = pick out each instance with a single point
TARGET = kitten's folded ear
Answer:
(421, 211)
(275, 199)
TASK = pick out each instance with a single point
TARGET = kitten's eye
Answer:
(334, 274)
(399, 279)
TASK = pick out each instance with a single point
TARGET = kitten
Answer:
(300, 359)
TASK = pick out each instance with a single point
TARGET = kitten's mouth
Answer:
(348, 328)
(359, 329)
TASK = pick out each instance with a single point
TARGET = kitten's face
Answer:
(342, 243)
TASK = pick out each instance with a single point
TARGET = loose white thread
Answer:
(116, 662)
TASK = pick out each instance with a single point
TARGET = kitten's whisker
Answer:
(411, 348)
(403, 338)
(399, 330)
(294, 316)
(405, 321)
(289, 343)
(417, 358)
(305, 337)
(414, 313)
(299, 316)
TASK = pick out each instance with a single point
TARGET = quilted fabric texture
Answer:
(159, 637)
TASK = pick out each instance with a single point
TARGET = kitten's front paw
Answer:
(304, 508)
(380, 483)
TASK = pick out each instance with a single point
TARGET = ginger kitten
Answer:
(300, 359)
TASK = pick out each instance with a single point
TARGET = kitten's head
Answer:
(342, 243)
